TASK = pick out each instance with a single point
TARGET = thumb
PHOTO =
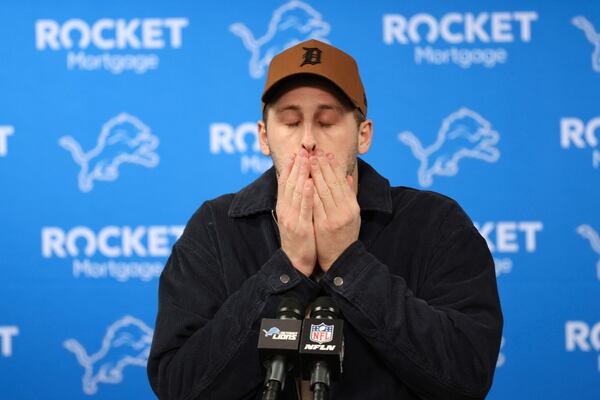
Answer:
(350, 180)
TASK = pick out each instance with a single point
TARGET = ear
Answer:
(263, 140)
(365, 136)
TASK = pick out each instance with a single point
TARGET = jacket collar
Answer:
(373, 193)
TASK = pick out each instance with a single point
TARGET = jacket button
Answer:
(338, 281)
(284, 278)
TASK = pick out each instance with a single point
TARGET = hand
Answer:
(336, 211)
(294, 209)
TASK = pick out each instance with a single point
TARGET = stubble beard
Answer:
(350, 162)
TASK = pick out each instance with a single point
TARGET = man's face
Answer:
(313, 119)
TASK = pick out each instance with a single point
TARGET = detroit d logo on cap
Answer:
(312, 56)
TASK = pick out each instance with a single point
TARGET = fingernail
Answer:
(320, 153)
(313, 160)
(330, 156)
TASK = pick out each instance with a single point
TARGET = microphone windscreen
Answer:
(290, 308)
(324, 308)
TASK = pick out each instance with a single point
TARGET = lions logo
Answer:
(271, 332)
(123, 139)
(587, 232)
(464, 134)
(592, 36)
(292, 23)
(126, 342)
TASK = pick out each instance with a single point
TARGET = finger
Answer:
(339, 171)
(340, 174)
(299, 187)
(322, 189)
(335, 186)
(306, 209)
(319, 211)
(283, 177)
(290, 184)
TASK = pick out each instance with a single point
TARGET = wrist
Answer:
(327, 262)
(306, 268)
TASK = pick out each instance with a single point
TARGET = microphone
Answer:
(322, 347)
(278, 345)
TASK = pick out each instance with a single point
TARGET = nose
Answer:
(308, 139)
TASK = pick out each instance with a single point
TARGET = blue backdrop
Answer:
(118, 119)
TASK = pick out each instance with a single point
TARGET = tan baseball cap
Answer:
(322, 59)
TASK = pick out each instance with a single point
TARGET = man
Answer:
(412, 277)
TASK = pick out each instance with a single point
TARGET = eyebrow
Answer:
(291, 107)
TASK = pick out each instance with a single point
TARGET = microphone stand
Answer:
(320, 381)
(275, 375)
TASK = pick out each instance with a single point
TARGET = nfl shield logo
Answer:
(321, 333)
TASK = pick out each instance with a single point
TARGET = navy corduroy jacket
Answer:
(419, 299)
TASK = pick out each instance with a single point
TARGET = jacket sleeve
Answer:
(443, 341)
(204, 343)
